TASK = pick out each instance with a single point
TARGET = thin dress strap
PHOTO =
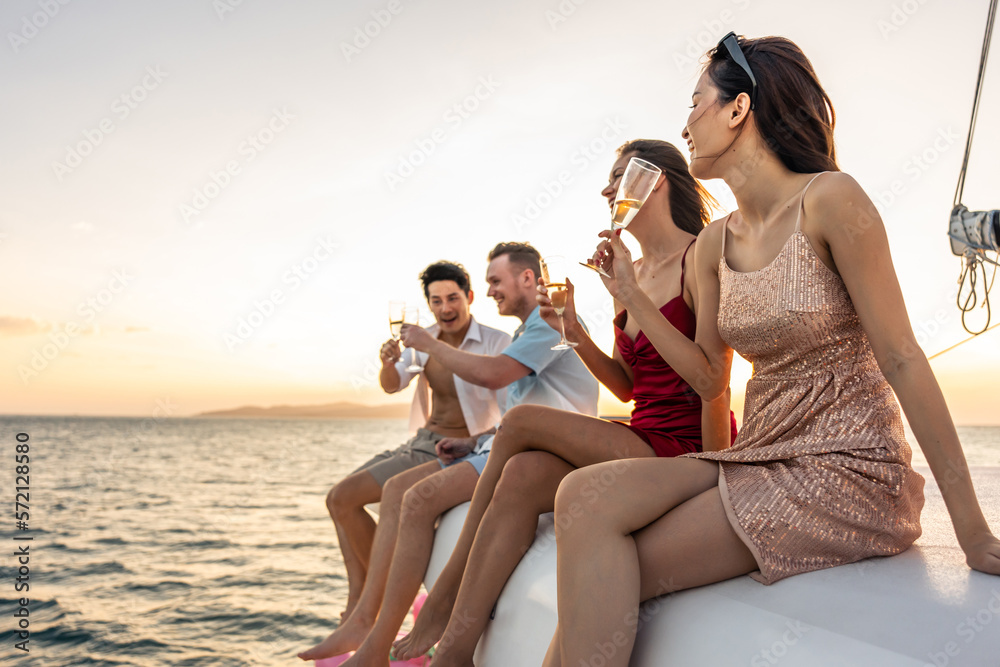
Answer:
(683, 259)
(802, 202)
(725, 226)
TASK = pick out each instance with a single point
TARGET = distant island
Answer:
(340, 410)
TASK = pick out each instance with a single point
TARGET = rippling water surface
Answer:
(193, 541)
(180, 542)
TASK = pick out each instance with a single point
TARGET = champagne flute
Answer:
(411, 315)
(396, 318)
(552, 268)
(637, 182)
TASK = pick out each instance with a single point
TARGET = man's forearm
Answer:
(389, 379)
(490, 431)
(479, 369)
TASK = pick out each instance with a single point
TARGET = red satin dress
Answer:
(667, 411)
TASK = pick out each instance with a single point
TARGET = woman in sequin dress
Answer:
(799, 280)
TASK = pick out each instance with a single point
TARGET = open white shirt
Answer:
(481, 407)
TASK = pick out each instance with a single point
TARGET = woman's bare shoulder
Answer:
(710, 238)
(837, 204)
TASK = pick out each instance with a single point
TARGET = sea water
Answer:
(178, 541)
(163, 542)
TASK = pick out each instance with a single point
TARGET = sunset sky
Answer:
(209, 203)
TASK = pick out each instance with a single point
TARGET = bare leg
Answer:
(527, 488)
(422, 505)
(353, 630)
(355, 527)
(578, 439)
(684, 540)
(552, 657)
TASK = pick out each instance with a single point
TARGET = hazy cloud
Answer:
(22, 326)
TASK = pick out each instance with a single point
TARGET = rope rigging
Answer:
(973, 234)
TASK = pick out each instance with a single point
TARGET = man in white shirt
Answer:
(455, 408)
(532, 373)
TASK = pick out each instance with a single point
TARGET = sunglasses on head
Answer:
(736, 53)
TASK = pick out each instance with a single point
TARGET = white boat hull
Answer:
(923, 607)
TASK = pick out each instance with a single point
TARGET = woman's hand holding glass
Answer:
(637, 182)
(619, 277)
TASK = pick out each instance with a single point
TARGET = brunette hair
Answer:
(793, 113)
(445, 271)
(522, 255)
(690, 202)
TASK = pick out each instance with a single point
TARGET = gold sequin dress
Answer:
(820, 473)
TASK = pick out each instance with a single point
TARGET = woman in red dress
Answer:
(536, 446)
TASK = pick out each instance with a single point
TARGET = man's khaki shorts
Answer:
(418, 450)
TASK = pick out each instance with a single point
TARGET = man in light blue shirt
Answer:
(558, 378)
(532, 373)
(443, 406)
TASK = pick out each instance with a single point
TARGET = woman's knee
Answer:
(584, 495)
(526, 477)
(519, 422)
(572, 498)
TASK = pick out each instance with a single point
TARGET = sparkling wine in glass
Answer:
(552, 268)
(636, 184)
(411, 315)
(396, 318)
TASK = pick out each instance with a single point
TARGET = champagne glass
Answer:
(396, 318)
(554, 277)
(636, 184)
(411, 315)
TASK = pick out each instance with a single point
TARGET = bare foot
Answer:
(347, 637)
(445, 656)
(427, 630)
(365, 657)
